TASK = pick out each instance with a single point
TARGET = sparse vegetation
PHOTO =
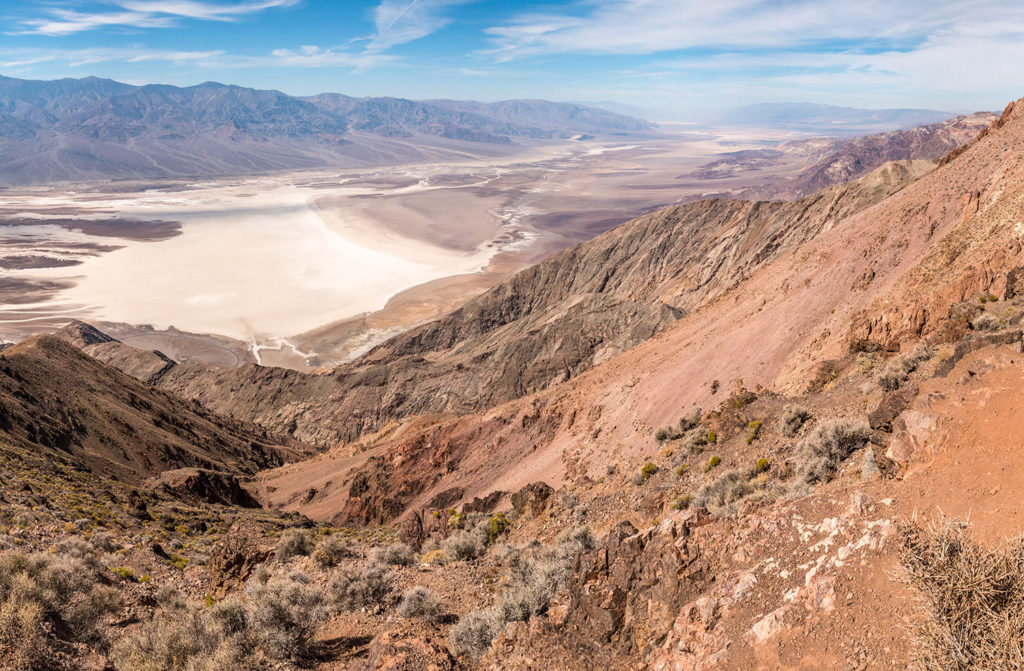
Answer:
(648, 470)
(682, 503)
(39, 590)
(398, 554)
(463, 546)
(682, 469)
(496, 526)
(686, 424)
(293, 543)
(986, 322)
(531, 586)
(792, 420)
(973, 598)
(419, 602)
(821, 453)
(753, 430)
(898, 370)
(330, 550)
(762, 465)
(471, 637)
(713, 462)
(367, 588)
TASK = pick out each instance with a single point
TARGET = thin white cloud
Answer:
(401, 21)
(142, 14)
(305, 57)
(653, 26)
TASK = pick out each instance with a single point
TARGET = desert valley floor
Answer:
(311, 268)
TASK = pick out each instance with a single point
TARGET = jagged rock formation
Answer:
(546, 324)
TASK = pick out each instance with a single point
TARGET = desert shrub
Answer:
(753, 431)
(293, 543)
(973, 598)
(792, 419)
(713, 462)
(682, 503)
(499, 524)
(711, 437)
(420, 602)
(104, 541)
(532, 586)
(44, 598)
(681, 469)
(735, 486)
(462, 545)
(283, 614)
(330, 550)
(686, 424)
(821, 453)
(648, 470)
(436, 557)
(471, 637)
(898, 369)
(985, 322)
(398, 554)
(368, 588)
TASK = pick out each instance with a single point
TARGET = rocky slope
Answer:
(524, 335)
(836, 161)
(60, 401)
(870, 282)
(88, 129)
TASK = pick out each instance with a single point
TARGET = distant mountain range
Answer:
(91, 128)
(828, 119)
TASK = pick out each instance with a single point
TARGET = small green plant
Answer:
(682, 469)
(713, 462)
(144, 579)
(712, 437)
(497, 526)
(753, 430)
(762, 465)
(437, 514)
(209, 601)
(179, 562)
(682, 503)
(648, 470)
(124, 573)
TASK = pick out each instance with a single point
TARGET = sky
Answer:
(669, 59)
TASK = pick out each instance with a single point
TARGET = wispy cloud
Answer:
(304, 57)
(141, 14)
(401, 21)
(653, 26)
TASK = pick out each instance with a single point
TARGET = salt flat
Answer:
(314, 267)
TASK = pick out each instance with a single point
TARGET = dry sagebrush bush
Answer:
(330, 550)
(294, 543)
(46, 601)
(368, 588)
(420, 602)
(973, 598)
(828, 446)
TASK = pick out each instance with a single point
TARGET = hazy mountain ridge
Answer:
(80, 129)
(830, 119)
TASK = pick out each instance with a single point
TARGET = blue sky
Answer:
(667, 57)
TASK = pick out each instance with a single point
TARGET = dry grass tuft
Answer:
(973, 597)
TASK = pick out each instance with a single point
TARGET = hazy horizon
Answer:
(670, 60)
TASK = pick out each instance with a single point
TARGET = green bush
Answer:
(713, 462)
(648, 470)
(753, 430)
